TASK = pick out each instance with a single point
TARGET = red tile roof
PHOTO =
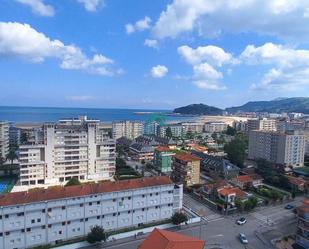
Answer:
(163, 149)
(161, 239)
(296, 181)
(186, 157)
(249, 178)
(59, 192)
(230, 190)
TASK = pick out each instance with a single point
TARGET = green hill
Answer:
(198, 109)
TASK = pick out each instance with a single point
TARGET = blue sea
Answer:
(51, 114)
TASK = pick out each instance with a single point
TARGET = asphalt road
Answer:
(221, 232)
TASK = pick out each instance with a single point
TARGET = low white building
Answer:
(49, 216)
(215, 127)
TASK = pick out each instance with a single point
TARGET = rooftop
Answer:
(163, 149)
(231, 190)
(249, 178)
(161, 239)
(186, 157)
(59, 192)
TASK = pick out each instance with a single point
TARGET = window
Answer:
(7, 233)
(39, 220)
(6, 216)
(0, 217)
(49, 226)
(1, 234)
(157, 193)
(86, 219)
(20, 214)
(81, 205)
(60, 232)
(114, 214)
(43, 227)
(114, 200)
(103, 216)
(129, 211)
(90, 203)
(63, 207)
(49, 210)
(122, 198)
(63, 223)
(98, 217)
(129, 198)
(22, 230)
(28, 230)
(69, 222)
(43, 210)
(32, 221)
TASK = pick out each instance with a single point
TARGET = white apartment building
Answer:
(128, 129)
(277, 147)
(194, 127)
(261, 124)
(215, 127)
(4, 139)
(77, 148)
(176, 129)
(56, 214)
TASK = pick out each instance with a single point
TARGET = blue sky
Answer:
(159, 54)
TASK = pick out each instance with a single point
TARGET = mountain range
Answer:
(279, 105)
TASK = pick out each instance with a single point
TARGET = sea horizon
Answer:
(28, 114)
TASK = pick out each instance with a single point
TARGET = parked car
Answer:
(243, 238)
(241, 221)
(289, 207)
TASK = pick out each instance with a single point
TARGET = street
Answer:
(220, 231)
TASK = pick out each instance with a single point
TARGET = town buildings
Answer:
(56, 214)
(186, 169)
(14, 136)
(162, 159)
(277, 147)
(4, 139)
(212, 127)
(302, 234)
(128, 129)
(162, 239)
(177, 130)
(261, 124)
(217, 166)
(78, 148)
(248, 181)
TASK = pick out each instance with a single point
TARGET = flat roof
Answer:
(59, 192)
(186, 157)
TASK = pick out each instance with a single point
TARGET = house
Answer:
(248, 181)
(297, 183)
(161, 239)
(197, 147)
(217, 166)
(229, 194)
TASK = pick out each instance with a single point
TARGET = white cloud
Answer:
(159, 71)
(282, 18)
(151, 43)
(204, 61)
(39, 7)
(289, 67)
(91, 5)
(140, 25)
(80, 98)
(211, 54)
(21, 40)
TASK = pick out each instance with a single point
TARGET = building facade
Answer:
(212, 127)
(162, 159)
(261, 124)
(177, 130)
(70, 148)
(302, 234)
(56, 214)
(186, 169)
(128, 129)
(277, 147)
(4, 139)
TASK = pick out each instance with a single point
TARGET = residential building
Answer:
(186, 169)
(176, 130)
(290, 125)
(193, 127)
(229, 194)
(14, 136)
(151, 128)
(162, 239)
(141, 152)
(128, 129)
(277, 147)
(298, 184)
(212, 127)
(4, 139)
(49, 216)
(305, 132)
(240, 125)
(261, 124)
(302, 234)
(162, 159)
(217, 166)
(77, 148)
(248, 181)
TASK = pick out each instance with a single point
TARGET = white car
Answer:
(243, 238)
(241, 221)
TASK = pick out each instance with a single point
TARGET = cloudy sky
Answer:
(152, 54)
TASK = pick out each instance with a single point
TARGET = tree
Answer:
(230, 131)
(168, 132)
(12, 156)
(97, 234)
(236, 151)
(73, 181)
(239, 204)
(179, 218)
